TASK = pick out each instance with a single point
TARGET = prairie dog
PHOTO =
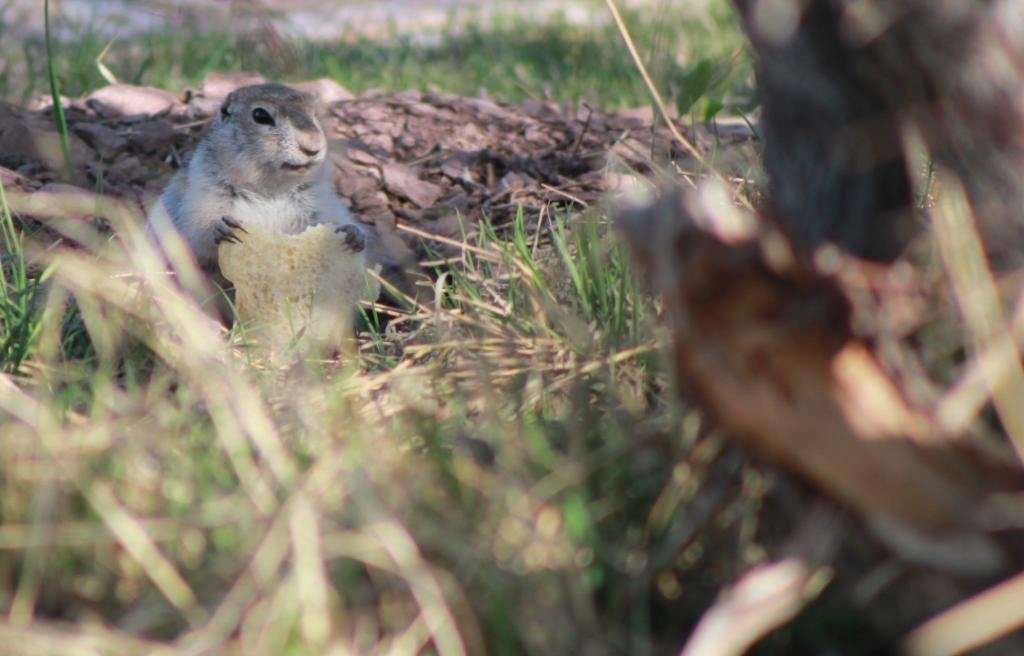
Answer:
(262, 162)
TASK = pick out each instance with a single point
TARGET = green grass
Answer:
(20, 295)
(698, 62)
(526, 444)
(58, 109)
(502, 469)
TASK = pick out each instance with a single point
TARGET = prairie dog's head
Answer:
(266, 138)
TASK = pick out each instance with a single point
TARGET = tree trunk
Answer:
(843, 86)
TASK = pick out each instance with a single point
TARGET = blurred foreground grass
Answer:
(499, 470)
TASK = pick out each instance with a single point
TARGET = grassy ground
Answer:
(696, 60)
(501, 469)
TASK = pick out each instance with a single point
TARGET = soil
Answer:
(437, 163)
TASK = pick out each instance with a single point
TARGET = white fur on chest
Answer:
(286, 214)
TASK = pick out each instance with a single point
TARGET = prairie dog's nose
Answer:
(310, 141)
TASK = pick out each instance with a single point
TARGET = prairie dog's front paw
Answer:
(352, 236)
(226, 229)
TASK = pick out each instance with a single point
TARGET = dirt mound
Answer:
(418, 158)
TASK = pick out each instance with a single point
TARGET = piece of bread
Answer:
(299, 289)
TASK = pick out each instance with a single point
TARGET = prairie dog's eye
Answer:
(262, 116)
(224, 113)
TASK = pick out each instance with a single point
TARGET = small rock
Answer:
(105, 141)
(459, 203)
(34, 171)
(440, 100)
(410, 214)
(379, 216)
(452, 225)
(489, 108)
(361, 156)
(381, 143)
(734, 130)
(642, 115)
(513, 181)
(326, 90)
(128, 168)
(468, 136)
(202, 106)
(408, 96)
(119, 100)
(395, 128)
(154, 136)
(421, 109)
(12, 179)
(374, 113)
(218, 85)
(351, 184)
(43, 101)
(403, 181)
(536, 134)
(535, 107)
(368, 198)
(29, 137)
(457, 167)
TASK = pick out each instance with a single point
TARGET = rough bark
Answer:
(845, 84)
(763, 340)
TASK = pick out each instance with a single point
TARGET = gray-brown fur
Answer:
(261, 162)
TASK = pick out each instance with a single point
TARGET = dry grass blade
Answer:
(231, 404)
(462, 245)
(424, 585)
(769, 595)
(128, 531)
(973, 623)
(75, 640)
(196, 347)
(659, 102)
(651, 87)
(505, 466)
(964, 401)
(107, 74)
(26, 596)
(132, 535)
(262, 573)
(310, 576)
(998, 357)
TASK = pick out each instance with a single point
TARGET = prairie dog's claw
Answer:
(225, 231)
(353, 237)
(231, 223)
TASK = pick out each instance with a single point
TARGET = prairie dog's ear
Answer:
(317, 106)
(225, 107)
